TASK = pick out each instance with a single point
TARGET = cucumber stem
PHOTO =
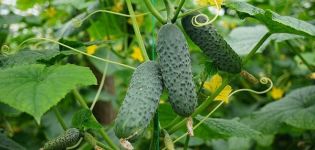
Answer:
(169, 10)
(178, 9)
(191, 11)
(83, 103)
(257, 46)
(309, 66)
(59, 118)
(137, 30)
(186, 142)
(154, 12)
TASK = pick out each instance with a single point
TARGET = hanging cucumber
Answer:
(175, 65)
(140, 103)
(212, 44)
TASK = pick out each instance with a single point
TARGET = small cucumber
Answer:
(69, 138)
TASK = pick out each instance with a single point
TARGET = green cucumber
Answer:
(175, 65)
(212, 44)
(140, 103)
(69, 138)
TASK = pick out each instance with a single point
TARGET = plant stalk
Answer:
(154, 12)
(137, 30)
(59, 118)
(186, 142)
(178, 9)
(82, 102)
(257, 46)
(309, 66)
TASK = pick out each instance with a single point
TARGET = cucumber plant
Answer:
(165, 92)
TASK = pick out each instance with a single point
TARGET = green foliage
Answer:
(243, 39)
(35, 88)
(227, 128)
(275, 22)
(83, 119)
(296, 109)
(37, 73)
(26, 57)
(8, 144)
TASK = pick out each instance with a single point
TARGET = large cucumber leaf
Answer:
(35, 88)
(296, 109)
(227, 128)
(275, 22)
(244, 39)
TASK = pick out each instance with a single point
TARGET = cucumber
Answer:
(140, 103)
(174, 61)
(212, 44)
(69, 138)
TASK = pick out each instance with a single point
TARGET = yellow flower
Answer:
(277, 93)
(91, 49)
(139, 19)
(312, 75)
(136, 54)
(118, 7)
(209, 2)
(214, 83)
(51, 12)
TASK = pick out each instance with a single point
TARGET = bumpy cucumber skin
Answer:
(69, 138)
(141, 101)
(213, 45)
(175, 65)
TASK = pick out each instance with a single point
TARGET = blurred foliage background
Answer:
(110, 36)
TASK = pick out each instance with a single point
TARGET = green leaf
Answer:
(286, 24)
(166, 114)
(244, 39)
(275, 22)
(228, 128)
(35, 88)
(296, 109)
(8, 144)
(84, 119)
(244, 9)
(28, 57)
